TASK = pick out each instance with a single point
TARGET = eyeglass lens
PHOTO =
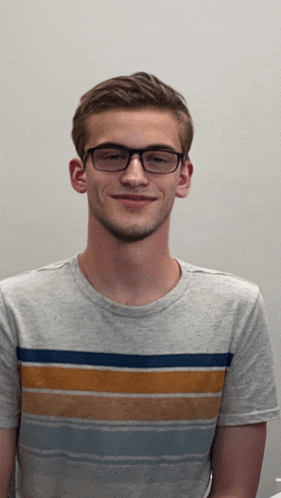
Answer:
(155, 161)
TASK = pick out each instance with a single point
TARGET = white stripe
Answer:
(87, 427)
(121, 395)
(134, 424)
(123, 369)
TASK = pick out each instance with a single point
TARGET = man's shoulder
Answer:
(221, 283)
(36, 279)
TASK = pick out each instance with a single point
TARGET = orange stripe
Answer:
(109, 408)
(77, 379)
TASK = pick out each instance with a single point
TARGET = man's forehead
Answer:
(136, 125)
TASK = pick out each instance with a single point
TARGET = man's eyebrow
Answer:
(110, 144)
(161, 146)
(149, 147)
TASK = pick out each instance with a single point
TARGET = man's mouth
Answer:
(134, 197)
(134, 200)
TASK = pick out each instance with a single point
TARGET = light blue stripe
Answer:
(117, 443)
(115, 461)
(115, 473)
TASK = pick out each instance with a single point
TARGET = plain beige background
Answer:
(224, 57)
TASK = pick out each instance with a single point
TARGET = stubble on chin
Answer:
(131, 234)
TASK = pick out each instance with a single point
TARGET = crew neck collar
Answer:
(156, 306)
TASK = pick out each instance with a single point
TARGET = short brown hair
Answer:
(138, 91)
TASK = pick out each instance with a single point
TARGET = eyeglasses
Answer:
(117, 158)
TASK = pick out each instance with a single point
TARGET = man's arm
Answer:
(237, 455)
(7, 458)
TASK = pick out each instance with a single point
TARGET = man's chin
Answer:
(130, 236)
(132, 232)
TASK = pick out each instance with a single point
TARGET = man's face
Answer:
(133, 204)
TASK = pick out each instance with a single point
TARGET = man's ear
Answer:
(184, 182)
(77, 175)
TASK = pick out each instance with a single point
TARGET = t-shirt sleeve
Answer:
(249, 394)
(9, 375)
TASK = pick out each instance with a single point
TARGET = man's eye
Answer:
(112, 157)
(157, 159)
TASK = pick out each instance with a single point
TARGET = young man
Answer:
(126, 373)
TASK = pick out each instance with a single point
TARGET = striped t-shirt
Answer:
(123, 402)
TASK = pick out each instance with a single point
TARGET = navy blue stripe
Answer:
(124, 360)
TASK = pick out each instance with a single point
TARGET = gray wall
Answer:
(224, 57)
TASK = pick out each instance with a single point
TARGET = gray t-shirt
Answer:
(122, 402)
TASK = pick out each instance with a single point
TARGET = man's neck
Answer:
(133, 274)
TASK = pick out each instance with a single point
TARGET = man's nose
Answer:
(134, 174)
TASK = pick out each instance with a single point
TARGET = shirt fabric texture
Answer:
(114, 401)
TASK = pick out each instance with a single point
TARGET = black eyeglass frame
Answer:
(180, 157)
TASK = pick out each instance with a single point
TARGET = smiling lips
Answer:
(130, 200)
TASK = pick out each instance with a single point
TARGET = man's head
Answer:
(135, 92)
(132, 135)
